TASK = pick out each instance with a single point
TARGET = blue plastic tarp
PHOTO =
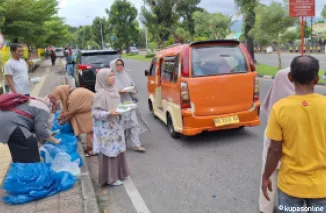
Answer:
(26, 182)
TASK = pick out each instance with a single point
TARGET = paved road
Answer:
(214, 172)
(272, 60)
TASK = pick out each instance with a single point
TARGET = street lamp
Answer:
(101, 31)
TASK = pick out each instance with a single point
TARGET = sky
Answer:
(82, 12)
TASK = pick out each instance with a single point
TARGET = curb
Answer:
(88, 193)
(272, 77)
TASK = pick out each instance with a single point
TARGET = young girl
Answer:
(109, 139)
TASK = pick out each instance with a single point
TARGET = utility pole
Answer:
(102, 34)
(145, 29)
(311, 22)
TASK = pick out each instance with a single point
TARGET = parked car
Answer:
(59, 52)
(133, 50)
(204, 86)
(88, 63)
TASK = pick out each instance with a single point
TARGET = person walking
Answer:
(281, 87)
(53, 57)
(16, 71)
(69, 60)
(77, 109)
(134, 122)
(109, 138)
(296, 127)
(21, 117)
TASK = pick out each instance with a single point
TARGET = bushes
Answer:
(131, 54)
(149, 55)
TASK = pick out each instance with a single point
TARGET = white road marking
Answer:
(135, 197)
(36, 91)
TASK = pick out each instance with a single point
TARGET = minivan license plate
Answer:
(226, 121)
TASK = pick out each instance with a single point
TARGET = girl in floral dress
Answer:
(109, 138)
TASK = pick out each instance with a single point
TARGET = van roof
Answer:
(178, 47)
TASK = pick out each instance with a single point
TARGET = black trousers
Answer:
(22, 149)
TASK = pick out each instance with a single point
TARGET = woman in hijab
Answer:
(134, 122)
(77, 109)
(109, 139)
(281, 88)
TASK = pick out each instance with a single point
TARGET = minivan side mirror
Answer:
(146, 73)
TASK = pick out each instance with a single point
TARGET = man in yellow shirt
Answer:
(297, 129)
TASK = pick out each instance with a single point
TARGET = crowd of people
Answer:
(93, 114)
(294, 153)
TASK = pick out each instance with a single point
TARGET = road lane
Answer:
(271, 59)
(213, 172)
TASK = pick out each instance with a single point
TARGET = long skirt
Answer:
(23, 150)
(112, 169)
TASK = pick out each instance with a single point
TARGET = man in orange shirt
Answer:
(297, 129)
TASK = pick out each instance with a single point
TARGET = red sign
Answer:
(302, 8)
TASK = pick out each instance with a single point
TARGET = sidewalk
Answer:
(79, 199)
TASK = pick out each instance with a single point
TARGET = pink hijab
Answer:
(281, 88)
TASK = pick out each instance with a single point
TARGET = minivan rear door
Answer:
(221, 81)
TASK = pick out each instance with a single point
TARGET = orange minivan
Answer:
(204, 86)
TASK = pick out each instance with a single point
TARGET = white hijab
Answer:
(281, 88)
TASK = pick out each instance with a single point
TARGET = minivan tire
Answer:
(151, 109)
(171, 127)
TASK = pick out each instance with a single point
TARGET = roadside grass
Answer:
(262, 69)
(137, 57)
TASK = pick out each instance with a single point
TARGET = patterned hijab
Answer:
(281, 88)
(107, 96)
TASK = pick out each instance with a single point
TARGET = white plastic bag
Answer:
(61, 161)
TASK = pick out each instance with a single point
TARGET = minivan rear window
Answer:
(217, 60)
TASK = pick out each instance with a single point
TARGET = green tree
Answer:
(186, 9)
(83, 35)
(323, 12)
(24, 19)
(123, 24)
(212, 26)
(56, 33)
(247, 9)
(99, 25)
(276, 17)
(160, 19)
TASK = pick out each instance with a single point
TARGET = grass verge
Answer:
(137, 57)
(262, 69)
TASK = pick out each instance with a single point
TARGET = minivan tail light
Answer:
(185, 98)
(256, 89)
(185, 62)
(84, 67)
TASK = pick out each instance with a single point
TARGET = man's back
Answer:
(300, 122)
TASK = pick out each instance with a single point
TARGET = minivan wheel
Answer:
(150, 106)
(171, 128)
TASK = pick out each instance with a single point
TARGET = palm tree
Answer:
(247, 9)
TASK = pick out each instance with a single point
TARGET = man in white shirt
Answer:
(16, 71)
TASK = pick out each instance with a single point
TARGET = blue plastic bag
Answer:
(69, 142)
(26, 182)
(65, 128)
